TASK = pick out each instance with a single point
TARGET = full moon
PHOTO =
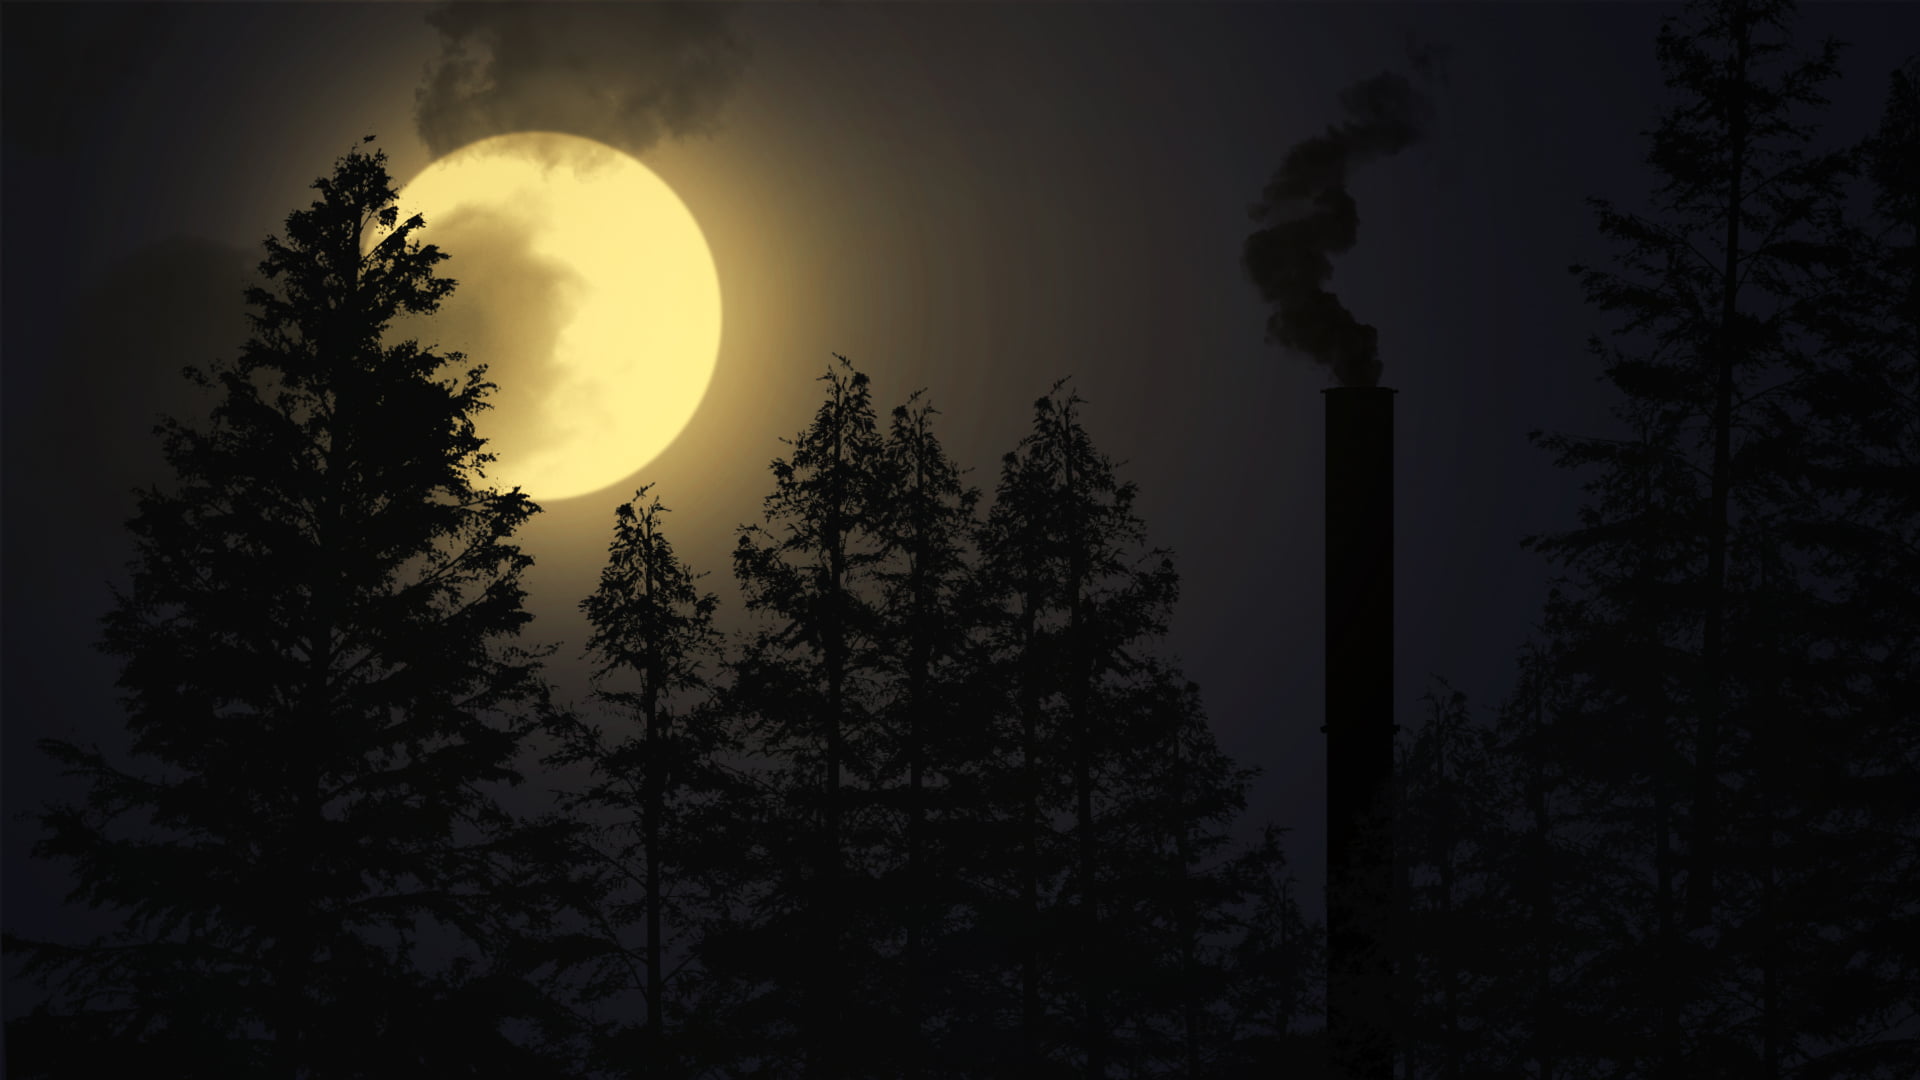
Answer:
(587, 289)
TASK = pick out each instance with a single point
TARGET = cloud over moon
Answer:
(625, 74)
(507, 312)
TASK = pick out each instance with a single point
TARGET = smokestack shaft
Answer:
(1360, 999)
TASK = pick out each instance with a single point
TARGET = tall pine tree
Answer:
(929, 720)
(806, 690)
(1837, 805)
(1692, 637)
(317, 644)
(1082, 602)
(1177, 890)
(1458, 930)
(658, 777)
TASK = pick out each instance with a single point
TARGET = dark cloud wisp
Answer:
(508, 312)
(625, 74)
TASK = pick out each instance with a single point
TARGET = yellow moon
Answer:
(587, 289)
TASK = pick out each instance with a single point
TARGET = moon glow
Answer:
(586, 287)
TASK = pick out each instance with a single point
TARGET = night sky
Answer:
(973, 199)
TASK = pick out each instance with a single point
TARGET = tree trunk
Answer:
(1092, 992)
(294, 959)
(916, 905)
(1545, 997)
(827, 1054)
(1189, 929)
(1030, 871)
(920, 663)
(1700, 890)
(653, 807)
(292, 968)
(1770, 1019)
(1449, 967)
(1668, 975)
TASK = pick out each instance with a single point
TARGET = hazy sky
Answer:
(976, 199)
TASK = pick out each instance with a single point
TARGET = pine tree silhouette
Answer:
(1697, 646)
(325, 698)
(659, 777)
(802, 691)
(948, 774)
(928, 611)
(1082, 600)
(1277, 974)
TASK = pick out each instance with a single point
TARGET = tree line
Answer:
(1684, 844)
(947, 807)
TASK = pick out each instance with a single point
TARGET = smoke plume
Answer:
(1311, 216)
(625, 74)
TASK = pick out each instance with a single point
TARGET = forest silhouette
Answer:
(948, 807)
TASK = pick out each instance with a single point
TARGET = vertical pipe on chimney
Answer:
(1359, 729)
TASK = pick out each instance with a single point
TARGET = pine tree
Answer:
(927, 612)
(981, 793)
(1706, 279)
(1687, 635)
(1276, 963)
(1458, 928)
(1554, 877)
(1176, 885)
(324, 698)
(1838, 969)
(802, 687)
(1081, 597)
(658, 774)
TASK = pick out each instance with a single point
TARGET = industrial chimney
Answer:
(1359, 729)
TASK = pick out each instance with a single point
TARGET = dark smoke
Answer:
(625, 74)
(1313, 216)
